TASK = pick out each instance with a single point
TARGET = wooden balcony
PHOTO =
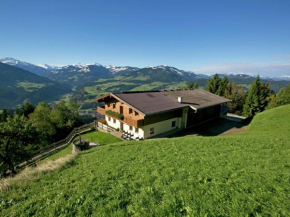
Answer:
(101, 111)
(133, 122)
(127, 120)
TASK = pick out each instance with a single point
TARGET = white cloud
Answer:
(271, 69)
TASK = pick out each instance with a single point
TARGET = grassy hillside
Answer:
(17, 85)
(243, 175)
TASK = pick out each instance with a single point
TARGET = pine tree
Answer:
(222, 86)
(217, 85)
(256, 100)
(192, 85)
(237, 96)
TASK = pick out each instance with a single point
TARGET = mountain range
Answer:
(86, 81)
(18, 85)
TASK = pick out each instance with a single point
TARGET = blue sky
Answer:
(204, 36)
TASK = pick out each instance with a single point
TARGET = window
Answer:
(109, 118)
(173, 123)
(136, 113)
(131, 128)
(114, 106)
(136, 130)
(114, 120)
(151, 130)
(109, 105)
(130, 111)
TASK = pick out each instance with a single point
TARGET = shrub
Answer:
(114, 114)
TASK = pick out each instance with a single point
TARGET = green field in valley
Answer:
(240, 175)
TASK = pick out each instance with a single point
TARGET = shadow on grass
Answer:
(215, 127)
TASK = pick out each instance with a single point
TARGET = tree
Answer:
(41, 120)
(25, 109)
(17, 140)
(222, 86)
(256, 100)
(193, 85)
(282, 98)
(237, 96)
(217, 85)
(4, 115)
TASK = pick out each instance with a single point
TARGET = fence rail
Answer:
(105, 127)
(52, 148)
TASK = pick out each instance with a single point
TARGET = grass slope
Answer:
(242, 175)
(95, 136)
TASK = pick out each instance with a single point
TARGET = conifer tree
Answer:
(256, 100)
(217, 85)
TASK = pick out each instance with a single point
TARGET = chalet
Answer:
(147, 114)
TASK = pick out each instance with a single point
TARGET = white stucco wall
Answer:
(161, 127)
(139, 133)
(111, 123)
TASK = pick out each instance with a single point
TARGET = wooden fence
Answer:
(105, 127)
(54, 147)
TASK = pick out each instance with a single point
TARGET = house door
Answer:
(121, 109)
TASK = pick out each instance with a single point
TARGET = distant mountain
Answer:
(48, 67)
(121, 69)
(24, 65)
(245, 79)
(162, 73)
(79, 74)
(280, 78)
(17, 85)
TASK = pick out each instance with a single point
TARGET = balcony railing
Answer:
(127, 120)
(136, 123)
(101, 111)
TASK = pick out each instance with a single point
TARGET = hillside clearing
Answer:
(241, 175)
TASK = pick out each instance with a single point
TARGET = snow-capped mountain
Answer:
(79, 74)
(24, 65)
(121, 69)
(48, 67)
(236, 75)
(185, 75)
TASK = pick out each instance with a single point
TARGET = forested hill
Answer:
(17, 85)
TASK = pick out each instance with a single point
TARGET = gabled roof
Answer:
(197, 99)
(150, 102)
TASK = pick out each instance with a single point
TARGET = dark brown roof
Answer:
(150, 102)
(197, 98)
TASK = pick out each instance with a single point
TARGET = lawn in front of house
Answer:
(94, 136)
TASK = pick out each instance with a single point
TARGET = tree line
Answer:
(247, 103)
(31, 128)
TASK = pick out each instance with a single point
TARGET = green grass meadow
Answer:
(94, 136)
(240, 175)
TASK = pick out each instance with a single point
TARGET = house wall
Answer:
(139, 134)
(110, 104)
(161, 127)
(111, 122)
(202, 115)
(151, 119)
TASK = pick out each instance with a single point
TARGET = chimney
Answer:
(179, 99)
